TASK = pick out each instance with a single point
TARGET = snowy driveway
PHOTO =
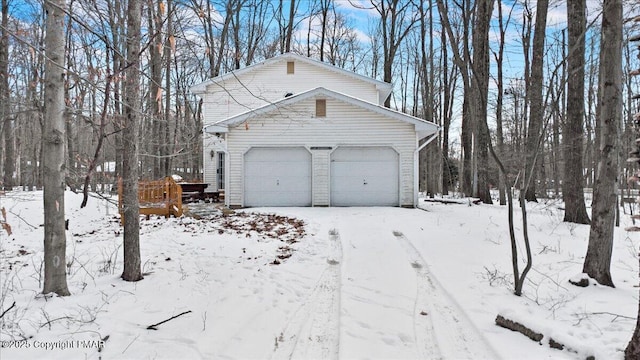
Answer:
(360, 283)
(376, 297)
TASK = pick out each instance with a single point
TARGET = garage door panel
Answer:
(365, 154)
(277, 177)
(366, 169)
(365, 176)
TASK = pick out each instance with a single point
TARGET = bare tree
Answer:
(290, 21)
(5, 110)
(397, 19)
(132, 263)
(632, 352)
(462, 59)
(534, 95)
(449, 78)
(54, 141)
(256, 28)
(573, 131)
(499, 57)
(479, 93)
(597, 262)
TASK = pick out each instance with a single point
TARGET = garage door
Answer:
(277, 177)
(364, 176)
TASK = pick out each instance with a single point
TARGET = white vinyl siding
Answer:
(344, 125)
(321, 176)
(209, 162)
(215, 144)
(270, 82)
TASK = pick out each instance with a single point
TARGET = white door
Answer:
(277, 177)
(220, 171)
(364, 176)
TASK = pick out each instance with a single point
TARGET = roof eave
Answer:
(216, 129)
(422, 127)
(385, 90)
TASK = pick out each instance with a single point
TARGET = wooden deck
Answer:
(156, 197)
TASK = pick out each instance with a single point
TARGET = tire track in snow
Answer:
(444, 332)
(424, 332)
(314, 330)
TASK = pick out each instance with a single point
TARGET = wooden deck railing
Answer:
(156, 197)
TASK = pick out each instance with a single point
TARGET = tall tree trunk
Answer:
(462, 61)
(166, 136)
(154, 99)
(536, 110)
(72, 176)
(590, 146)
(499, 100)
(132, 264)
(446, 98)
(597, 262)
(324, 11)
(480, 90)
(289, 34)
(632, 352)
(116, 27)
(223, 37)
(5, 107)
(53, 143)
(572, 134)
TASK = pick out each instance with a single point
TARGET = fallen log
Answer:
(533, 335)
(154, 326)
(516, 326)
(453, 201)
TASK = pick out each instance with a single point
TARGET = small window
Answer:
(290, 67)
(321, 107)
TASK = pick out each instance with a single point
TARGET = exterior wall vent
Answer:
(321, 107)
(291, 67)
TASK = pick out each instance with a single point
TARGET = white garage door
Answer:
(277, 177)
(364, 176)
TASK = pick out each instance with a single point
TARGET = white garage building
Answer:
(292, 131)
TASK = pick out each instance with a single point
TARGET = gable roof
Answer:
(383, 87)
(423, 128)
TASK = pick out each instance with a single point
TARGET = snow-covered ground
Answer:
(379, 283)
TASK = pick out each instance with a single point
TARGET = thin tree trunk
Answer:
(324, 10)
(103, 122)
(71, 178)
(5, 110)
(154, 100)
(536, 102)
(590, 117)
(462, 61)
(597, 262)
(55, 241)
(166, 143)
(572, 134)
(446, 167)
(289, 35)
(132, 263)
(499, 99)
